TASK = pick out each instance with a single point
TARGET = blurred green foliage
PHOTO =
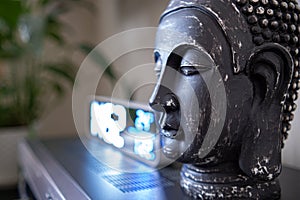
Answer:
(28, 79)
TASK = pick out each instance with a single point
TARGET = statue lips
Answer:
(170, 122)
(169, 133)
(170, 126)
(170, 144)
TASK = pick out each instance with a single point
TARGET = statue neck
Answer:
(225, 181)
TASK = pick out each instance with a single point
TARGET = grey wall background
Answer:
(114, 16)
(291, 152)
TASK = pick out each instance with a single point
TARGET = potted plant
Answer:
(28, 78)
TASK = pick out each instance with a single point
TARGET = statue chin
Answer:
(175, 147)
(228, 75)
(170, 148)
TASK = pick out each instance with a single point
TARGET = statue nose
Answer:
(155, 101)
(163, 100)
(157, 106)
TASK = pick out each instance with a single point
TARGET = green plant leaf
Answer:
(11, 10)
(57, 88)
(43, 2)
(63, 70)
(6, 90)
(33, 79)
(57, 37)
(11, 50)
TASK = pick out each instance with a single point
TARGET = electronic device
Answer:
(129, 127)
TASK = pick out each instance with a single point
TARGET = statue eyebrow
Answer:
(186, 63)
(191, 69)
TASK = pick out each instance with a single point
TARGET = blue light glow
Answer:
(144, 148)
(143, 120)
(107, 122)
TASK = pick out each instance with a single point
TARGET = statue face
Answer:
(196, 89)
(227, 82)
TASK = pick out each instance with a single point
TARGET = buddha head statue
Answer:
(228, 75)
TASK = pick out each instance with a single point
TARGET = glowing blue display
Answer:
(144, 148)
(143, 120)
(107, 122)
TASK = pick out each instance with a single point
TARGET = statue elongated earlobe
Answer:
(270, 69)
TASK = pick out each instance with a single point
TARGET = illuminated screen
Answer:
(124, 128)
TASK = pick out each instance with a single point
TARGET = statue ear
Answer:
(270, 69)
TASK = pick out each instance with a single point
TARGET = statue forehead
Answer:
(186, 28)
(230, 19)
(246, 22)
